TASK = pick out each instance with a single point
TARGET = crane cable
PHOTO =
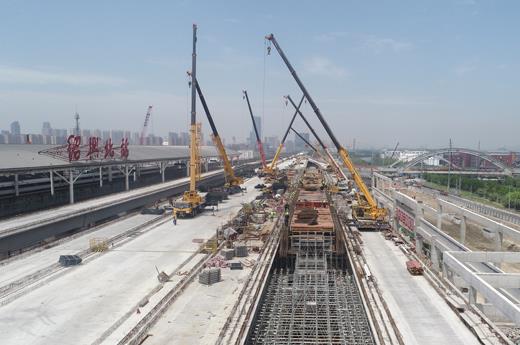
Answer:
(267, 51)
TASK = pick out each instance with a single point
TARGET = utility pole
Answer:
(478, 158)
(509, 198)
(449, 170)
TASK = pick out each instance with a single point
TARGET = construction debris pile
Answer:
(246, 232)
(312, 179)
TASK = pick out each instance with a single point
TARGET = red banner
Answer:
(405, 219)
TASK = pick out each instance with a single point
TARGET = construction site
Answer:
(280, 249)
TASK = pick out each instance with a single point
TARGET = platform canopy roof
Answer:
(28, 159)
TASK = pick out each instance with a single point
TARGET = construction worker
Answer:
(174, 219)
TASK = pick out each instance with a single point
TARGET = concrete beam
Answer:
(485, 221)
(502, 280)
(406, 200)
(509, 257)
(501, 302)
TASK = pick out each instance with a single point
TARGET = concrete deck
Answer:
(421, 315)
(18, 267)
(199, 314)
(78, 307)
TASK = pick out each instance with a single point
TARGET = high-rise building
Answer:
(46, 128)
(15, 128)
(252, 135)
(184, 139)
(299, 144)
(272, 143)
(173, 138)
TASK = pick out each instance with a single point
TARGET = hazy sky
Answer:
(417, 72)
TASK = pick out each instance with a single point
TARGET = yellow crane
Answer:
(233, 182)
(192, 202)
(333, 164)
(367, 210)
(271, 169)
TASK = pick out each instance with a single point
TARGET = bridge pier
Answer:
(439, 217)
(463, 230)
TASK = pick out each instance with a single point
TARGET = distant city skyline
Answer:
(414, 72)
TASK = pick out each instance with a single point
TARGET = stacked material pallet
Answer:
(227, 253)
(69, 260)
(210, 276)
(240, 251)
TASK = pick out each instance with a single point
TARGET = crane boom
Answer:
(374, 210)
(279, 150)
(327, 152)
(145, 125)
(309, 144)
(231, 179)
(192, 201)
(258, 140)
(304, 140)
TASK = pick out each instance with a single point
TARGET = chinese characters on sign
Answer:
(73, 144)
(109, 149)
(93, 150)
(124, 148)
(405, 219)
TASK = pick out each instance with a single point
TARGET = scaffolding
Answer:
(316, 304)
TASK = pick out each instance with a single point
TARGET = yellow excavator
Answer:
(192, 202)
(367, 214)
(233, 182)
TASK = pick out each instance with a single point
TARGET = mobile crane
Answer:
(271, 170)
(145, 126)
(367, 213)
(258, 140)
(192, 202)
(331, 159)
(233, 182)
(304, 140)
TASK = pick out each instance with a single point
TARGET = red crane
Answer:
(145, 126)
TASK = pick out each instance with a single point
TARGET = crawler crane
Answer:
(367, 213)
(192, 202)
